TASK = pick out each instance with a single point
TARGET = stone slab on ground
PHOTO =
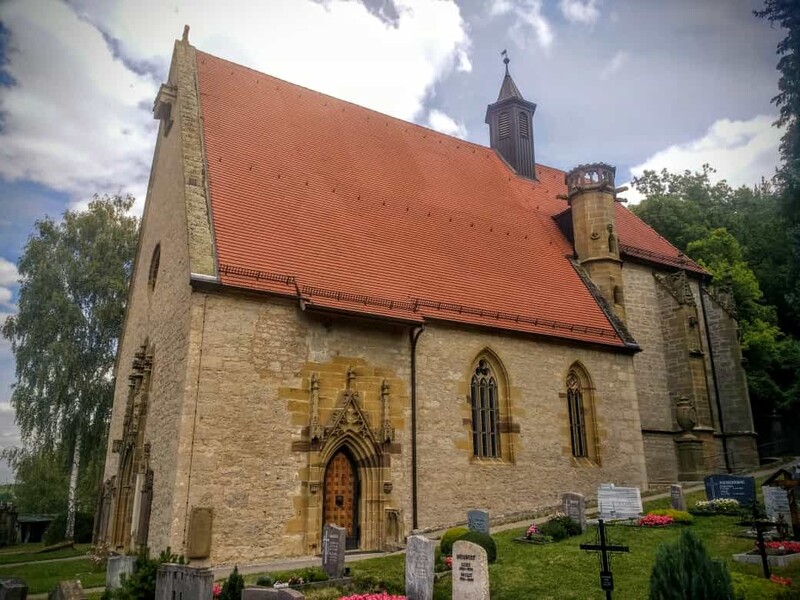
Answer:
(773, 559)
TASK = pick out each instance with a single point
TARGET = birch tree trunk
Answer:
(73, 488)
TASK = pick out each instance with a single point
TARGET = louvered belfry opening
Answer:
(510, 121)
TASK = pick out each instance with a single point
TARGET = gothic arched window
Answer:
(577, 415)
(485, 411)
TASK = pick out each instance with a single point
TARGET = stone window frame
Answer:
(507, 430)
(589, 454)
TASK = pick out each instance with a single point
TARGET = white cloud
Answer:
(8, 273)
(78, 119)
(742, 152)
(443, 122)
(528, 18)
(614, 65)
(580, 12)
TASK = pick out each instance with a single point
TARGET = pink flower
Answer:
(381, 596)
(655, 521)
(217, 590)
(448, 562)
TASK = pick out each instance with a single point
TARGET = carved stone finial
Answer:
(387, 431)
(315, 428)
(351, 377)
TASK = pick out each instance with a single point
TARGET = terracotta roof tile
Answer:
(361, 212)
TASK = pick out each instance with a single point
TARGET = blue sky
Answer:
(634, 83)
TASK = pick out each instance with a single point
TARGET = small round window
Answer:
(153, 273)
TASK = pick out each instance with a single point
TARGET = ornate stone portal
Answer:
(344, 426)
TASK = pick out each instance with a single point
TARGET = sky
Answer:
(639, 84)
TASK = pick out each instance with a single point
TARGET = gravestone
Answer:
(259, 593)
(574, 506)
(333, 545)
(742, 489)
(13, 589)
(116, 567)
(290, 594)
(419, 568)
(618, 502)
(68, 590)
(776, 502)
(470, 572)
(182, 581)
(478, 520)
(676, 498)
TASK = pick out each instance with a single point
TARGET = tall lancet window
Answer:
(485, 412)
(577, 416)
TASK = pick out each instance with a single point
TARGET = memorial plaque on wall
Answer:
(200, 523)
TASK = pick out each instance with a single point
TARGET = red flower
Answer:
(217, 590)
(655, 521)
(781, 580)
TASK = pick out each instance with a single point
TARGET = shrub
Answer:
(483, 540)
(560, 527)
(449, 538)
(683, 569)
(57, 530)
(678, 516)
(233, 586)
(141, 584)
(264, 581)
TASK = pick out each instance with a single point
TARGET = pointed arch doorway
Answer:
(342, 495)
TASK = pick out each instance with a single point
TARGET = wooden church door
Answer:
(341, 496)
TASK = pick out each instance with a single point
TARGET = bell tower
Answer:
(592, 198)
(510, 121)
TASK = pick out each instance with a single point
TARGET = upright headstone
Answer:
(742, 489)
(776, 502)
(419, 567)
(470, 572)
(333, 546)
(290, 594)
(618, 502)
(13, 589)
(676, 498)
(182, 581)
(478, 520)
(68, 590)
(574, 506)
(259, 593)
(116, 567)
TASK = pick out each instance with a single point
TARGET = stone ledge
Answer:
(774, 560)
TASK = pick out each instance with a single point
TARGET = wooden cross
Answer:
(604, 547)
(760, 526)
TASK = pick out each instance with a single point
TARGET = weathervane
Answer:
(506, 60)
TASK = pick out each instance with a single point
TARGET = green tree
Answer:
(41, 480)
(683, 569)
(73, 288)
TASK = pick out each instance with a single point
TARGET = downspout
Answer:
(414, 336)
(716, 381)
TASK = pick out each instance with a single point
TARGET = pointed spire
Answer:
(509, 89)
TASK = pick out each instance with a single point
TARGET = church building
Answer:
(340, 317)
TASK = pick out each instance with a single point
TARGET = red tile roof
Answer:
(360, 212)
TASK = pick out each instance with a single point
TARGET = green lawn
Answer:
(43, 577)
(29, 553)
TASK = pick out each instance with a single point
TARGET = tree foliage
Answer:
(74, 278)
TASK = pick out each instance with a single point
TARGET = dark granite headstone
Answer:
(742, 489)
(13, 589)
(478, 520)
(333, 546)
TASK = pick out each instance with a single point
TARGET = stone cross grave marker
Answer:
(470, 572)
(604, 547)
(676, 498)
(618, 502)
(478, 520)
(742, 489)
(574, 506)
(333, 546)
(776, 502)
(419, 567)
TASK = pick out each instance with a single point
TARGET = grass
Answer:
(43, 577)
(28, 553)
(563, 570)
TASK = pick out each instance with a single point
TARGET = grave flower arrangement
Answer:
(379, 596)
(719, 506)
(217, 590)
(781, 580)
(655, 521)
(534, 535)
(781, 548)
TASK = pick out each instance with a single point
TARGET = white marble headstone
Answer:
(419, 567)
(470, 572)
(618, 502)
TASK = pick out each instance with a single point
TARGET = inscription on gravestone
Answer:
(333, 546)
(419, 568)
(478, 520)
(574, 506)
(776, 502)
(618, 502)
(742, 489)
(676, 498)
(470, 572)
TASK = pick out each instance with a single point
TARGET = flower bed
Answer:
(655, 521)
(534, 536)
(380, 596)
(719, 506)
(781, 548)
